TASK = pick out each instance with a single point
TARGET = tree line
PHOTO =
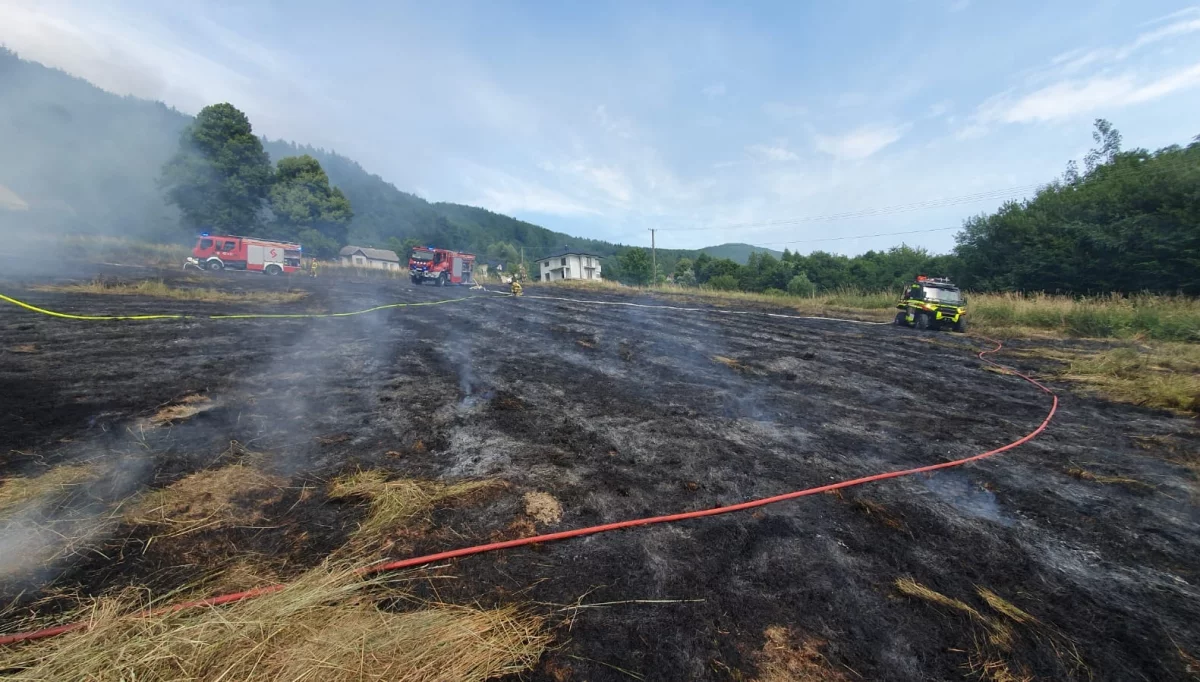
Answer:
(1128, 221)
(222, 181)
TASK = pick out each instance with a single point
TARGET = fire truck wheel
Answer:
(441, 280)
(273, 270)
(216, 265)
(416, 280)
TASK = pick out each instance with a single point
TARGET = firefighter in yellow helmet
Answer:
(515, 287)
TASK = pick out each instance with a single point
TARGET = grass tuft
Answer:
(16, 492)
(996, 636)
(786, 657)
(160, 289)
(327, 625)
(395, 504)
(213, 498)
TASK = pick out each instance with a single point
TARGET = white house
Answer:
(568, 265)
(364, 257)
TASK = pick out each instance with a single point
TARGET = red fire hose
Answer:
(591, 530)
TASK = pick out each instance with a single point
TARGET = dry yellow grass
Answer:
(184, 408)
(210, 499)
(1154, 374)
(17, 491)
(40, 521)
(990, 656)
(325, 626)
(787, 658)
(160, 289)
(395, 504)
(543, 508)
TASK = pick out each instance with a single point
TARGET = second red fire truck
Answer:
(440, 266)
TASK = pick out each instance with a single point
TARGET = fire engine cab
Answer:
(218, 252)
(440, 266)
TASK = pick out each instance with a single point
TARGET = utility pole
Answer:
(653, 260)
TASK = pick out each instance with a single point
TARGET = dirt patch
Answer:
(543, 508)
(23, 348)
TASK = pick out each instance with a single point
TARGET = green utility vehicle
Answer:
(932, 303)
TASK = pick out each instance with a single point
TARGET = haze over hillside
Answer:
(80, 159)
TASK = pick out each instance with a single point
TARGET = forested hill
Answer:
(738, 253)
(384, 215)
(86, 160)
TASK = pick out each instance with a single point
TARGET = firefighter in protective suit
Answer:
(515, 287)
(915, 293)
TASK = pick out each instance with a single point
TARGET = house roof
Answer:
(568, 252)
(373, 254)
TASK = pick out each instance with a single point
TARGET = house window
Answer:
(564, 262)
(358, 260)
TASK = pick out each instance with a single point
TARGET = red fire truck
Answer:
(440, 266)
(217, 252)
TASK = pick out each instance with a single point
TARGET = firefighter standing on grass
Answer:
(312, 267)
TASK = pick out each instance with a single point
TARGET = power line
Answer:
(860, 236)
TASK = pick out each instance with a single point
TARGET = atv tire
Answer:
(961, 325)
(901, 319)
(922, 321)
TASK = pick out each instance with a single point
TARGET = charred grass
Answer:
(996, 635)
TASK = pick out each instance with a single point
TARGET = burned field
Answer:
(220, 455)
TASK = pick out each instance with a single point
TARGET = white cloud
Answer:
(959, 5)
(1178, 28)
(1070, 98)
(776, 151)
(714, 90)
(940, 108)
(609, 180)
(505, 193)
(1185, 12)
(783, 111)
(860, 143)
(617, 125)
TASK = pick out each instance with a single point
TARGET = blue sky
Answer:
(776, 123)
